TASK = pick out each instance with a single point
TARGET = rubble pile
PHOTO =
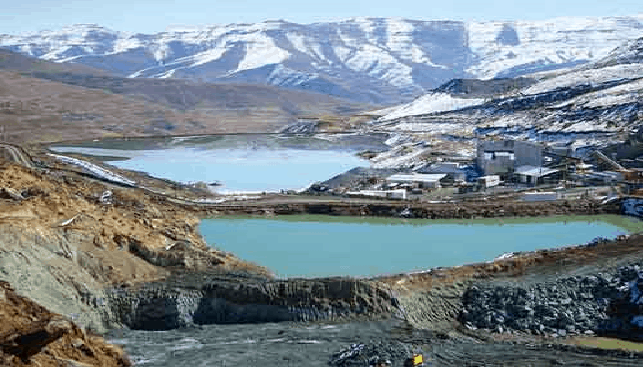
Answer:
(392, 353)
(588, 305)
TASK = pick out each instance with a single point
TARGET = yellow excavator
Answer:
(415, 360)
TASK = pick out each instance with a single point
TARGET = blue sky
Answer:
(149, 16)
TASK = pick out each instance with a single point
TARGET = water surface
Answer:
(249, 163)
(308, 246)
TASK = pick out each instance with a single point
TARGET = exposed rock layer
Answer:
(162, 306)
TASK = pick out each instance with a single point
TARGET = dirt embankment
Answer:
(58, 238)
(465, 210)
(30, 335)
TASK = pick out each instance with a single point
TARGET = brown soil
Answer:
(134, 219)
(30, 335)
(36, 110)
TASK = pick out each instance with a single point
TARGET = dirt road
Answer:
(16, 154)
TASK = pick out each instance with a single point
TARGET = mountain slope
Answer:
(212, 98)
(18, 62)
(381, 60)
(597, 101)
(88, 99)
(37, 110)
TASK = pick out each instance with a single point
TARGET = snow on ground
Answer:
(579, 127)
(432, 128)
(167, 74)
(429, 103)
(124, 44)
(593, 76)
(283, 75)
(397, 158)
(396, 139)
(517, 119)
(587, 126)
(620, 94)
(94, 169)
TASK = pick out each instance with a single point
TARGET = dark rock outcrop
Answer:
(601, 304)
(162, 307)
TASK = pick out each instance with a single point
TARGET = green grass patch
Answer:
(606, 343)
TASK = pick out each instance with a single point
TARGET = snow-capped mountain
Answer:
(384, 60)
(596, 101)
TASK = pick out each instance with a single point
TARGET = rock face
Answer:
(163, 307)
(601, 304)
(44, 268)
(31, 335)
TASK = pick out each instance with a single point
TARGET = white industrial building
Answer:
(425, 181)
(452, 169)
(502, 157)
(489, 181)
(532, 175)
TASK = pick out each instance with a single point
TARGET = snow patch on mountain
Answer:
(209, 55)
(306, 46)
(429, 103)
(262, 51)
(549, 42)
(282, 75)
(124, 44)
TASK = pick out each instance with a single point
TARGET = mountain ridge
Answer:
(377, 60)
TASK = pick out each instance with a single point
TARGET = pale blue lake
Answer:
(309, 246)
(241, 163)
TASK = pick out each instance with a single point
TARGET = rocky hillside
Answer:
(579, 106)
(381, 60)
(32, 335)
(59, 238)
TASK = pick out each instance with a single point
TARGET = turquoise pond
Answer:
(308, 246)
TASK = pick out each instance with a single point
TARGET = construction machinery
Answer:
(415, 361)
